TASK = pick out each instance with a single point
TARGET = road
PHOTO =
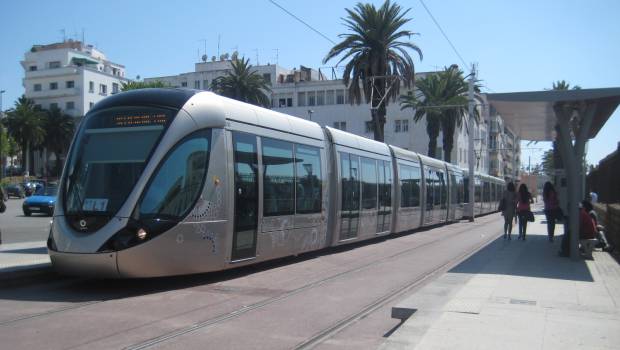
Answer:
(16, 227)
(334, 299)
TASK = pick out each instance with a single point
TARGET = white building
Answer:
(70, 75)
(308, 94)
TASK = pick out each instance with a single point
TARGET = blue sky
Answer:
(518, 45)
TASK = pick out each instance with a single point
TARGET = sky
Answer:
(517, 45)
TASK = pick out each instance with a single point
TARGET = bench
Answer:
(588, 245)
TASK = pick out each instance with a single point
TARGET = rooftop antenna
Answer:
(83, 42)
(219, 37)
(277, 54)
(204, 41)
(64, 35)
(256, 50)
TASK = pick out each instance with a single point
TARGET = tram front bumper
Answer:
(99, 265)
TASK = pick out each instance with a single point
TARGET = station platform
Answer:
(515, 295)
(23, 260)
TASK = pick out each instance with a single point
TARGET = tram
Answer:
(163, 182)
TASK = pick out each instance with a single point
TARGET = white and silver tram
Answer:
(173, 181)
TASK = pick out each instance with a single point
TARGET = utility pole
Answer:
(470, 158)
(1, 132)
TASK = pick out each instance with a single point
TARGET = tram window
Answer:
(477, 190)
(369, 183)
(308, 180)
(409, 186)
(486, 192)
(278, 178)
(385, 184)
(350, 181)
(460, 190)
(430, 185)
(453, 189)
(178, 181)
(438, 195)
(466, 190)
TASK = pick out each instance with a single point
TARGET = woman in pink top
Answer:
(523, 209)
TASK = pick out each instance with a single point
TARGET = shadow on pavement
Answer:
(535, 257)
(37, 250)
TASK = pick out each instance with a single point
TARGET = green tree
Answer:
(25, 124)
(564, 85)
(376, 46)
(427, 103)
(134, 85)
(243, 84)
(548, 166)
(59, 128)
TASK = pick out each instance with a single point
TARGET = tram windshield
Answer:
(108, 157)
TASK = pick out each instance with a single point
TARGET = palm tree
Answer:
(25, 124)
(455, 98)
(243, 84)
(564, 85)
(375, 48)
(59, 128)
(427, 103)
(134, 85)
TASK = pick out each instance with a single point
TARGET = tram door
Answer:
(385, 196)
(246, 196)
(350, 210)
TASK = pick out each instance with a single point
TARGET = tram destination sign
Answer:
(146, 119)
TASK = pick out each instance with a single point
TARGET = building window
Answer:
(114, 88)
(405, 125)
(340, 97)
(197, 84)
(340, 125)
(311, 98)
(267, 78)
(397, 126)
(289, 102)
(103, 89)
(37, 87)
(91, 105)
(70, 84)
(70, 105)
(53, 105)
(37, 107)
(205, 84)
(183, 84)
(320, 98)
(54, 86)
(91, 86)
(54, 64)
(281, 102)
(329, 97)
(32, 68)
(370, 127)
(301, 99)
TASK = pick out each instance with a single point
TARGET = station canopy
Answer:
(531, 115)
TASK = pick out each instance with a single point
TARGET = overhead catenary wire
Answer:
(443, 33)
(302, 21)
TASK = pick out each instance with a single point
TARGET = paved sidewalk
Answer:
(516, 295)
(18, 260)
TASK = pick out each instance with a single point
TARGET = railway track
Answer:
(313, 340)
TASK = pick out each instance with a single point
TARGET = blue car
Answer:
(42, 201)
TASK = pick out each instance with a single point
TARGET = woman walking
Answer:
(509, 201)
(523, 209)
(552, 208)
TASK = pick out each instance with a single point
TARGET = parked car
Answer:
(15, 190)
(42, 201)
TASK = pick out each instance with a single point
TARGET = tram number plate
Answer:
(34, 208)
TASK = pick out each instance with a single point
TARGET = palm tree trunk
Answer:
(448, 140)
(27, 157)
(432, 146)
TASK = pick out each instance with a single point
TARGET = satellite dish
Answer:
(204, 58)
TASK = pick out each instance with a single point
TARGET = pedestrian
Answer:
(600, 230)
(507, 206)
(523, 209)
(3, 198)
(553, 211)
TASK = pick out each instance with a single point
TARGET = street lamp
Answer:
(310, 114)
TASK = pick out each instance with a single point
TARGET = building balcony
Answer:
(53, 93)
(53, 72)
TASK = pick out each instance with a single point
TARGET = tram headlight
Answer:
(141, 234)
